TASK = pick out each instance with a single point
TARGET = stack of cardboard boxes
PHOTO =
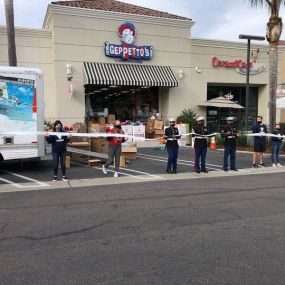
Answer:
(100, 145)
(154, 128)
(129, 150)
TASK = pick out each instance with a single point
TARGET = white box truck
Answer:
(21, 110)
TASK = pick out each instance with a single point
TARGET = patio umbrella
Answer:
(221, 102)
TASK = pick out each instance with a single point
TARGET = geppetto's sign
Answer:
(127, 50)
(239, 65)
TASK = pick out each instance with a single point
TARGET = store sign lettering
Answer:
(239, 65)
(229, 64)
(127, 50)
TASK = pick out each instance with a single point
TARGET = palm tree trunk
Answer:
(273, 65)
(9, 10)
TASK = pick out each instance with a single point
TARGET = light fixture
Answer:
(69, 72)
(124, 92)
(113, 86)
(97, 91)
(180, 74)
(198, 70)
(104, 89)
(145, 87)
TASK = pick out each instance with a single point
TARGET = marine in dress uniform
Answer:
(200, 145)
(229, 133)
(172, 135)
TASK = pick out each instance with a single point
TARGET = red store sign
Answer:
(238, 63)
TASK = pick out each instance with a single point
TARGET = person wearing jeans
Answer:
(114, 148)
(58, 146)
(276, 145)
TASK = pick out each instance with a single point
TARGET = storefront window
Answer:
(127, 103)
(216, 117)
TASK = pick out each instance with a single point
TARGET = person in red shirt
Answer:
(114, 148)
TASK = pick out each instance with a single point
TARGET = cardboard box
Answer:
(122, 161)
(159, 132)
(101, 120)
(129, 152)
(158, 124)
(94, 127)
(130, 155)
(150, 123)
(111, 119)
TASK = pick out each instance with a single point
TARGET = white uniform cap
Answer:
(117, 123)
(172, 120)
(201, 118)
(230, 118)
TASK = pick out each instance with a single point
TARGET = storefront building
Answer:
(101, 57)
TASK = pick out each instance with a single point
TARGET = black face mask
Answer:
(259, 122)
(277, 129)
(118, 127)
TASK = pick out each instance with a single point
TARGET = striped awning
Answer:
(128, 74)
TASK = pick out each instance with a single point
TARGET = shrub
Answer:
(187, 116)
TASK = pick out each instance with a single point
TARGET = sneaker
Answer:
(205, 171)
(104, 169)
(169, 171)
(116, 174)
(254, 165)
(64, 178)
(279, 165)
(261, 164)
(54, 178)
(274, 165)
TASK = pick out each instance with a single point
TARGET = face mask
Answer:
(277, 129)
(118, 127)
(57, 128)
(259, 122)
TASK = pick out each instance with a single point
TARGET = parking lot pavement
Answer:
(150, 165)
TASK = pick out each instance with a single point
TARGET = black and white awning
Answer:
(128, 74)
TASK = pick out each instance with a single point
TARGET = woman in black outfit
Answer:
(58, 145)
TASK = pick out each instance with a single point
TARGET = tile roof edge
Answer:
(174, 16)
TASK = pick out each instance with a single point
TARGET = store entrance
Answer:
(216, 117)
(127, 103)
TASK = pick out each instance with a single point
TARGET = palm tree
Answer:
(9, 10)
(273, 33)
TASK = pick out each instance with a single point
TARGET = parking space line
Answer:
(135, 176)
(189, 161)
(127, 174)
(178, 162)
(11, 183)
(39, 183)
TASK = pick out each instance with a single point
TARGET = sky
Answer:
(214, 19)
